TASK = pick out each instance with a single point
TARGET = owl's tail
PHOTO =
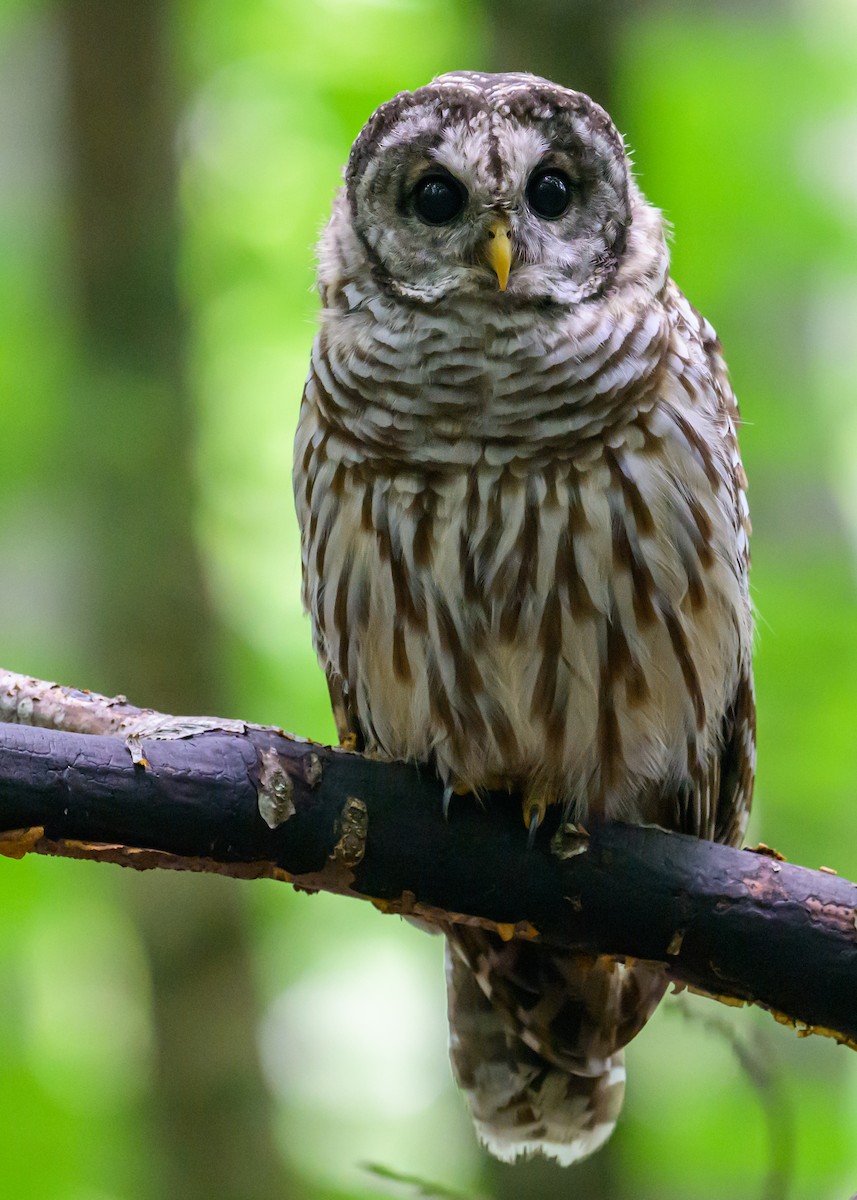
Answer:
(536, 1042)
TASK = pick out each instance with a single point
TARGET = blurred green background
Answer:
(164, 172)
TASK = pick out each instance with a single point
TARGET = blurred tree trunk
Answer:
(574, 42)
(150, 629)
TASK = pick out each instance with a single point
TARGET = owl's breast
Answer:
(465, 386)
(580, 624)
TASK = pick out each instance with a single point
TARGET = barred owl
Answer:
(524, 537)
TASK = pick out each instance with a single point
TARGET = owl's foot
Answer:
(348, 742)
(457, 788)
(534, 806)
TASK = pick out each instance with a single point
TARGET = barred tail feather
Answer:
(534, 1047)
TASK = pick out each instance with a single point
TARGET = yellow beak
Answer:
(499, 250)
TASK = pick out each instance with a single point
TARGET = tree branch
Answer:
(89, 777)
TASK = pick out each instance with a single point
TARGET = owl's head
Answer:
(504, 185)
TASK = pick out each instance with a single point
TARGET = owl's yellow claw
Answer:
(534, 808)
(453, 789)
(499, 250)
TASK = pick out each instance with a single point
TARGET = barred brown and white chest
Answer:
(524, 535)
(542, 573)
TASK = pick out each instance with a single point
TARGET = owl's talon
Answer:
(533, 818)
(453, 789)
(348, 742)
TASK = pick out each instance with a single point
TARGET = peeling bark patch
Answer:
(136, 751)
(144, 859)
(517, 929)
(803, 1029)
(312, 770)
(15, 843)
(767, 851)
(353, 824)
(675, 942)
(729, 1001)
(840, 915)
(766, 889)
(276, 791)
(569, 840)
(164, 727)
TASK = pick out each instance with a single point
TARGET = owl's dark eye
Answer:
(438, 198)
(549, 193)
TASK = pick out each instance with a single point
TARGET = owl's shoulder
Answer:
(697, 352)
(699, 411)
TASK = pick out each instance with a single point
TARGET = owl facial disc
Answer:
(433, 172)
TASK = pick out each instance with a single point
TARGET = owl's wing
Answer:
(727, 404)
(737, 765)
(732, 791)
(715, 803)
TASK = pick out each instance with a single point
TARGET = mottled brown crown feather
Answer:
(464, 93)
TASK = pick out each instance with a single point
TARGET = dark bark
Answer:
(738, 925)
